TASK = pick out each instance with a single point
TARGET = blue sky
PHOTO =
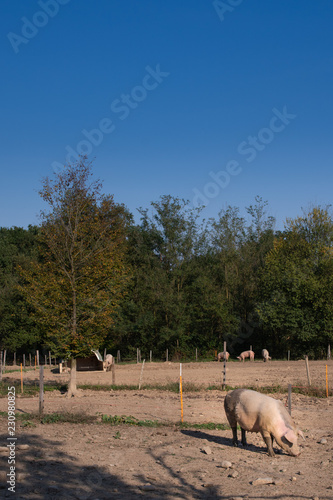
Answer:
(215, 102)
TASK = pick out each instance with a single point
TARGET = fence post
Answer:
(167, 355)
(224, 365)
(0, 365)
(29, 358)
(143, 365)
(307, 369)
(41, 391)
(118, 356)
(113, 373)
(329, 351)
(150, 356)
(50, 358)
(37, 354)
(4, 359)
(23, 360)
(288, 355)
(289, 399)
(196, 354)
(45, 362)
(14, 359)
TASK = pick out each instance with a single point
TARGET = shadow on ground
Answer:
(44, 471)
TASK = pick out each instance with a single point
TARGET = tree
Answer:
(76, 286)
(17, 329)
(296, 304)
(238, 253)
(156, 311)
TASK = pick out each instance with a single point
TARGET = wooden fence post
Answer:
(224, 365)
(143, 365)
(150, 356)
(329, 351)
(29, 358)
(41, 391)
(37, 354)
(118, 356)
(14, 359)
(23, 360)
(167, 355)
(288, 355)
(307, 369)
(113, 373)
(289, 399)
(196, 354)
(4, 359)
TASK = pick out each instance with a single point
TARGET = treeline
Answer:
(194, 283)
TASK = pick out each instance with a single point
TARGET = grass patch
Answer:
(129, 420)
(71, 418)
(31, 420)
(170, 387)
(105, 387)
(207, 426)
(30, 387)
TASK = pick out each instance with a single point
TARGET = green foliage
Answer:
(75, 287)
(296, 286)
(17, 328)
(89, 277)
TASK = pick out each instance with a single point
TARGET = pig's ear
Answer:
(286, 441)
(300, 433)
(289, 438)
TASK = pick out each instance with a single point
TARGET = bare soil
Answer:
(100, 461)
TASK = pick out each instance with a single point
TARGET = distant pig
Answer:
(246, 354)
(107, 364)
(265, 355)
(255, 412)
(220, 356)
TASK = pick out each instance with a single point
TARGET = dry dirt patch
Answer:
(100, 461)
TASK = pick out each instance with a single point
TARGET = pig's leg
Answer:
(244, 443)
(234, 436)
(268, 440)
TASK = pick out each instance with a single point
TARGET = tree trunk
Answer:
(72, 389)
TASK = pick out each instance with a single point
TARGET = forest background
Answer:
(172, 281)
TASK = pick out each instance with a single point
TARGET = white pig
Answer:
(265, 355)
(107, 364)
(246, 354)
(220, 356)
(256, 412)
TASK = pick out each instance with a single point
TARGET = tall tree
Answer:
(76, 287)
(296, 306)
(156, 311)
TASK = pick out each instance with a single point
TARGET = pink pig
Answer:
(255, 412)
(246, 354)
(220, 356)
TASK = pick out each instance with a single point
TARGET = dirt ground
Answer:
(99, 461)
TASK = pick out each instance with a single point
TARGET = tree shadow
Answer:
(44, 470)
